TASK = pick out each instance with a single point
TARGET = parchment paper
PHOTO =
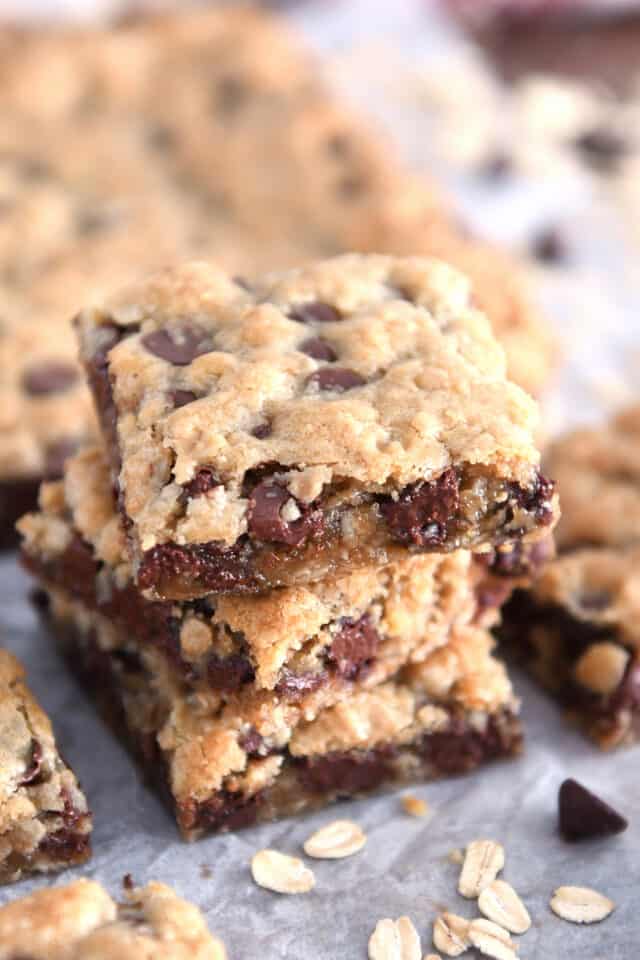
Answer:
(404, 867)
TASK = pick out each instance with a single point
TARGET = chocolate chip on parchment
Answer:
(178, 346)
(55, 376)
(583, 815)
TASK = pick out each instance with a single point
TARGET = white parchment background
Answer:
(404, 868)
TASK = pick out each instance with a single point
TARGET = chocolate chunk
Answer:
(336, 379)
(293, 686)
(56, 376)
(180, 398)
(550, 246)
(204, 480)
(178, 346)
(536, 500)
(161, 137)
(348, 773)
(251, 741)
(583, 815)
(265, 518)
(31, 776)
(231, 94)
(315, 312)
(423, 511)
(57, 454)
(262, 431)
(497, 167)
(229, 673)
(354, 647)
(602, 149)
(319, 349)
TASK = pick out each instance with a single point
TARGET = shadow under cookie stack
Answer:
(278, 571)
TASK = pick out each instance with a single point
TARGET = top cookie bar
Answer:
(277, 432)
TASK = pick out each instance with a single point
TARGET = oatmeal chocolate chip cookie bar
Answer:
(226, 763)
(577, 627)
(305, 641)
(44, 821)
(342, 414)
(80, 920)
(186, 103)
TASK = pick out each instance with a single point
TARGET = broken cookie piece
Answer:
(409, 439)
(45, 824)
(81, 920)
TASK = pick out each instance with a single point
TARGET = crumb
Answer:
(414, 806)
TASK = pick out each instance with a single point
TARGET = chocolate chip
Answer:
(602, 149)
(583, 815)
(127, 882)
(53, 377)
(595, 600)
(337, 379)
(241, 282)
(265, 519)
(497, 167)
(178, 346)
(180, 398)
(550, 246)
(339, 145)
(262, 431)
(354, 647)
(231, 94)
(348, 773)
(315, 312)
(422, 512)
(535, 499)
(32, 773)
(161, 137)
(57, 454)
(351, 187)
(229, 673)
(203, 481)
(251, 741)
(294, 686)
(319, 349)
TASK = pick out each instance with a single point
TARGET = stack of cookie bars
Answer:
(278, 570)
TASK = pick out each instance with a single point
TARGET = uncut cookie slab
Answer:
(306, 643)
(45, 824)
(186, 103)
(342, 414)
(226, 763)
(578, 626)
(82, 920)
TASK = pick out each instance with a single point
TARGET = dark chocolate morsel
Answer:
(336, 379)
(319, 349)
(262, 431)
(55, 376)
(583, 815)
(180, 398)
(550, 246)
(314, 312)
(602, 149)
(265, 519)
(178, 346)
(203, 481)
(423, 510)
(229, 673)
(353, 647)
